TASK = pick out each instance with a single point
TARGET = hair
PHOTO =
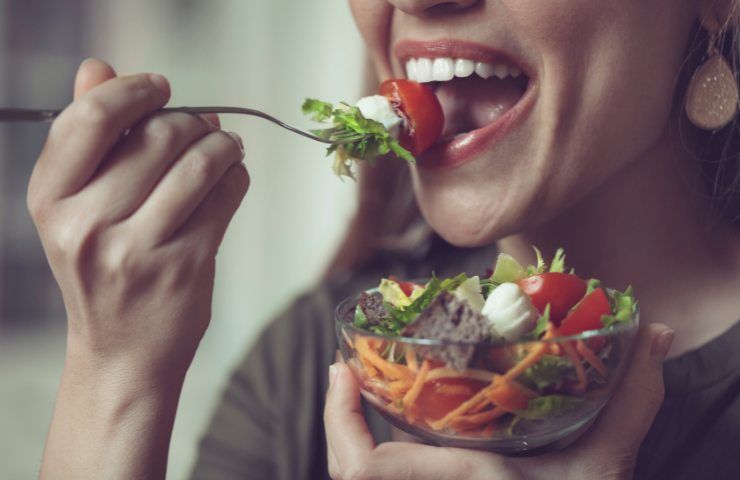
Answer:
(387, 217)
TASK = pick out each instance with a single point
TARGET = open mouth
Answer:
(472, 94)
(483, 94)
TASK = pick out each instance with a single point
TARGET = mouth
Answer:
(484, 94)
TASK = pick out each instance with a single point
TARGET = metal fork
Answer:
(333, 137)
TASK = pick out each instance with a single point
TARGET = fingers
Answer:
(185, 186)
(137, 164)
(347, 434)
(91, 73)
(630, 412)
(87, 130)
(212, 217)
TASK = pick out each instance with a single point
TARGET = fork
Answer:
(333, 136)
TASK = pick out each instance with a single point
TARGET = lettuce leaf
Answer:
(507, 269)
(624, 307)
(549, 406)
(360, 318)
(363, 139)
(592, 285)
(541, 325)
(549, 370)
(558, 261)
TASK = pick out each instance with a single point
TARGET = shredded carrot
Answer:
(398, 388)
(532, 357)
(573, 355)
(413, 393)
(465, 422)
(461, 409)
(483, 404)
(591, 358)
(488, 431)
(446, 372)
(411, 360)
(390, 370)
(553, 347)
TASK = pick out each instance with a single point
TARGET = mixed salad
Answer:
(404, 120)
(494, 370)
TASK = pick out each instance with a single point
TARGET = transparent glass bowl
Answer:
(409, 382)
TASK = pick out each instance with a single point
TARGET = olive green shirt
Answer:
(269, 423)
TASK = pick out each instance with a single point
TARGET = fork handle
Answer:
(45, 116)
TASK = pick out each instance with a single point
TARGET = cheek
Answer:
(373, 20)
(607, 85)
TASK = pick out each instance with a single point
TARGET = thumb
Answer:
(91, 73)
(630, 412)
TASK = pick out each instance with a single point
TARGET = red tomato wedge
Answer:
(421, 110)
(406, 287)
(561, 290)
(587, 314)
(440, 397)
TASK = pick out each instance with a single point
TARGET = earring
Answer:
(712, 96)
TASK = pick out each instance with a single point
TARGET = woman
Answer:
(598, 157)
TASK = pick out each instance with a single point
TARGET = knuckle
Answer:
(201, 167)
(119, 258)
(91, 112)
(231, 146)
(161, 133)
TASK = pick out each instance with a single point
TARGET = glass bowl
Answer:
(515, 398)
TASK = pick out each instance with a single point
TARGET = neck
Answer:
(648, 227)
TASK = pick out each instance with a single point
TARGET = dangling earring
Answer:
(712, 96)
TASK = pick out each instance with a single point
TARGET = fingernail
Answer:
(238, 140)
(662, 345)
(332, 374)
(160, 83)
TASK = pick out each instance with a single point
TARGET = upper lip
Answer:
(407, 49)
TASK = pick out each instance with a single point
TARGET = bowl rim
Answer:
(341, 322)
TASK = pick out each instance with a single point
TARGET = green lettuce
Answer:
(624, 307)
(507, 269)
(362, 139)
(549, 370)
(558, 261)
(549, 406)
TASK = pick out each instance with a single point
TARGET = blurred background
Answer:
(266, 54)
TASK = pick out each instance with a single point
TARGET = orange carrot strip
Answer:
(390, 370)
(475, 420)
(591, 358)
(533, 357)
(447, 372)
(413, 393)
(461, 409)
(483, 404)
(576, 359)
(411, 361)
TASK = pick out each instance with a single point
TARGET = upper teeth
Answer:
(441, 69)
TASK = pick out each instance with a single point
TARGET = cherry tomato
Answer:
(560, 290)
(421, 111)
(406, 287)
(587, 314)
(440, 397)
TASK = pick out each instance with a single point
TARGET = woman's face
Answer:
(596, 93)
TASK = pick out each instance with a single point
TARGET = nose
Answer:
(420, 7)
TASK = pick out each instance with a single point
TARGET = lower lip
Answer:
(465, 147)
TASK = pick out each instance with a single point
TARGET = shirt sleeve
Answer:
(268, 423)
